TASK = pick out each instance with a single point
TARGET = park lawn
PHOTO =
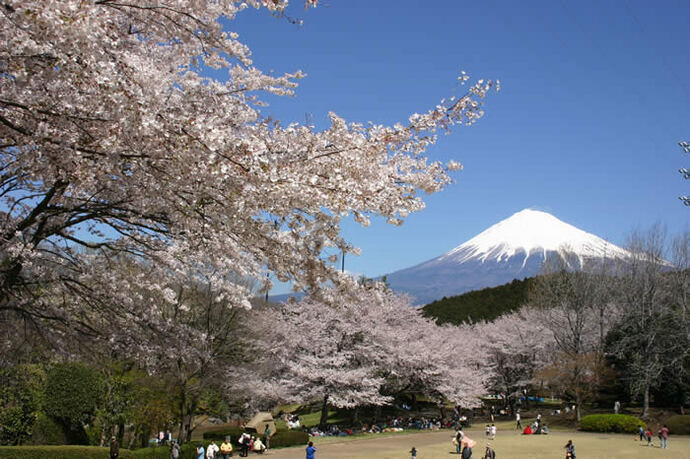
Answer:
(508, 444)
(363, 436)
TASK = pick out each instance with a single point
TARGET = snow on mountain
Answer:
(514, 248)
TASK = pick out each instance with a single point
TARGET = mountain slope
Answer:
(485, 304)
(514, 248)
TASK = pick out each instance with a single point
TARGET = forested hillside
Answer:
(485, 304)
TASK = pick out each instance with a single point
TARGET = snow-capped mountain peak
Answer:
(530, 232)
(514, 248)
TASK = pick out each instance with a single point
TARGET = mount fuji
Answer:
(514, 248)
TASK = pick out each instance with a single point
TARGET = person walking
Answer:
(311, 451)
(200, 451)
(489, 453)
(174, 450)
(664, 437)
(570, 450)
(226, 449)
(114, 448)
(640, 432)
(458, 441)
(467, 452)
(493, 432)
(413, 453)
(517, 418)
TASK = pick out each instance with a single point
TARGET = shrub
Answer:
(621, 423)
(678, 425)
(289, 438)
(46, 431)
(187, 451)
(160, 452)
(21, 393)
(74, 390)
(220, 434)
(59, 452)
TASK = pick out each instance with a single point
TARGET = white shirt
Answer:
(212, 450)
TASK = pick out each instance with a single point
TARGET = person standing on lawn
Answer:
(570, 450)
(114, 448)
(267, 435)
(664, 437)
(311, 451)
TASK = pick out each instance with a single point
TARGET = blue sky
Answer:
(595, 97)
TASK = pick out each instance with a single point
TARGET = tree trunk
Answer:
(101, 442)
(645, 403)
(442, 411)
(120, 432)
(323, 423)
(183, 402)
(414, 402)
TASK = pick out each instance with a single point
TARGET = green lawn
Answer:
(508, 444)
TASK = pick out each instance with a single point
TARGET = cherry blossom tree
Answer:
(364, 351)
(518, 345)
(114, 141)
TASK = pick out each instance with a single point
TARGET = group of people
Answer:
(537, 427)
(490, 431)
(224, 451)
(662, 434)
(246, 441)
(292, 421)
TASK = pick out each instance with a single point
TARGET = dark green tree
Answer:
(73, 392)
(21, 395)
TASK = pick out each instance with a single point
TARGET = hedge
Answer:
(47, 431)
(59, 452)
(220, 434)
(621, 423)
(289, 438)
(678, 425)
(188, 451)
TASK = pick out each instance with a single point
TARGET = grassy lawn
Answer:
(508, 444)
